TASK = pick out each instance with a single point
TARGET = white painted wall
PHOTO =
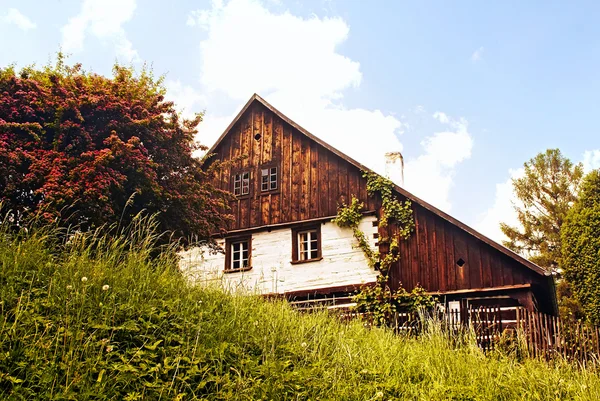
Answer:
(343, 262)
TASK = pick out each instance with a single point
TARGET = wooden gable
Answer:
(312, 180)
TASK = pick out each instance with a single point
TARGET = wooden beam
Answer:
(490, 289)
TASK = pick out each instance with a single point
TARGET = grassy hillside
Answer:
(96, 319)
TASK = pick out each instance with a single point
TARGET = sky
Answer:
(466, 90)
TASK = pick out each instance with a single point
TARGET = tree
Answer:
(88, 150)
(581, 247)
(545, 194)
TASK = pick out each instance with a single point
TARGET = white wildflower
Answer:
(379, 394)
(109, 348)
(304, 345)
(105, 287)
(69, 287)
(83, 279)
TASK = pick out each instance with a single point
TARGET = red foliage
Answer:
(77, 146)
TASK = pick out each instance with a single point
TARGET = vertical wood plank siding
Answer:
(313, 181)
(429, 258)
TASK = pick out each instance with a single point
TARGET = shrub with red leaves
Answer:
(89, 150)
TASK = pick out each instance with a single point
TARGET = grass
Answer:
(151, 336)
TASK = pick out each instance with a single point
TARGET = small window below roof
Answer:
(241, 183)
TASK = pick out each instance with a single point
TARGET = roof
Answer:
(398, 189)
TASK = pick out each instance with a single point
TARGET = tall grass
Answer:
(106, 317)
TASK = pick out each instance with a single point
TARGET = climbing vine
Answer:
(393, 208)
(379, 301)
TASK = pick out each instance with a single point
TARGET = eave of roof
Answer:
(398, 189)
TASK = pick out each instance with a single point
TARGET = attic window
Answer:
(268, 178)
(241, 183)
(460, 262)
(257, 137)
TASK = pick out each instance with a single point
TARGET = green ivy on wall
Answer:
(378, 301)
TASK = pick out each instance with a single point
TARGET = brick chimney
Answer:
(394, 167)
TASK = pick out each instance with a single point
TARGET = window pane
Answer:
(246, 176)
(239, 254)
(264, 172)
(264, 182)
(274, 178)
(245, 184)
(308, 245)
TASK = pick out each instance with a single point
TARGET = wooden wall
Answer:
(429, 258)
(312, 179)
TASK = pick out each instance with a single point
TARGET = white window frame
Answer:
(238, 256)
(312, 238)
(270, 184)
(241, 185)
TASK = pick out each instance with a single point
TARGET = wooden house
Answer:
(288, 185)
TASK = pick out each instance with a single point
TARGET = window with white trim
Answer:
(241, 183)
(308, 245)
(240, 255)
(268, 179)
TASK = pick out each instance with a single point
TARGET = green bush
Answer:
(96, 317)
(580, 236)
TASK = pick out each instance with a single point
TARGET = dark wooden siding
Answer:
(312, 179)
(429, 258)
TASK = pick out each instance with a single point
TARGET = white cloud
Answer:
(294, 64)
(441, 117)
(502, 210)
(477, 55)
(250, 49)
(14, 16)
(430, 176)
(188, 101)
(104, 20)
(591, 159)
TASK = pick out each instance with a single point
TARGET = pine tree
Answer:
(545, 193)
